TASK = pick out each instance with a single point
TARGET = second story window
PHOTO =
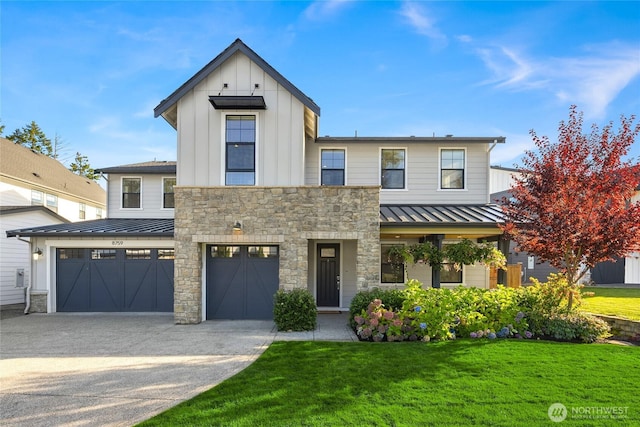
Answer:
(392, 173)
(240, 155)
(52, 202)
(37, 197)
(99, 213)
(131, 193)
(82, 211)
(332, 167)
(167, 193)
(452, 169)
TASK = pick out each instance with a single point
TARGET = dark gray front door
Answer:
(241, 281)
(328, 279)
(95, 280)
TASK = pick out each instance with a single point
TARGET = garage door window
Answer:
(71, 253)
(138, 253)
(263, 251)
(166, 254)
(103, 254)
(225, 251)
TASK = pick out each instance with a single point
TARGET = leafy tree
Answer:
(32, 137)
(571, 205)
(80, 166)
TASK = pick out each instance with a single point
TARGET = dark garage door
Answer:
(132, 280)
(241, 281)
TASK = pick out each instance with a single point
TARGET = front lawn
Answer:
(623, 302)
(457, 383)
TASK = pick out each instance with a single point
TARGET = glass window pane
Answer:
(240, 178)
(138, 253)
(449, 274)
(452, 179)
(70, 253)
(131, 185)
(332, 177)
(391, 270)
(166, 253)
(392, 159)
(240, 157)
(263, 251)
(225, 251)
(131, 200)
(393, 179)
(103, 254)
(36, 197)
(332, 159)
(169, 183)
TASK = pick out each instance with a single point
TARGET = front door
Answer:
(328, 275)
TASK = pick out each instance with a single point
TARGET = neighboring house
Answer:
(623, 271)
(262, 203)
(36, 190)
(120, 263)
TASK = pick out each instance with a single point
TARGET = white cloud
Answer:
(321, 10)
(591, 81)
(422, 23)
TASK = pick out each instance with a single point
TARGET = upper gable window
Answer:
(452, 165)
(82, 211)
(240, 156)
(332, 167)
(37, 197)
(392, 172)
(52, 202)
(131, 188)
(168, 201)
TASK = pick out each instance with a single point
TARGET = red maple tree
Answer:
(571, 205)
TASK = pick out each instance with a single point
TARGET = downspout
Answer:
(27, 298)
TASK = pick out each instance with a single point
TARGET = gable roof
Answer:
(37, 170)
(11, 210)
(236, 46)
(153, 167)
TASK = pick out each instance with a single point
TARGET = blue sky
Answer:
(92, 72)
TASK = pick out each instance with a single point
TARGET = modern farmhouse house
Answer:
(263, 203)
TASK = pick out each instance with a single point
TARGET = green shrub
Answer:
(295, 310)
(575, 326)
(392, 299)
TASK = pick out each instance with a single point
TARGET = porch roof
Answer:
(441, 215)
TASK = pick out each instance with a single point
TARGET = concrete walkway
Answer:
(120, 369)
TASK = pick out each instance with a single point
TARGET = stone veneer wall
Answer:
(286, 216)
(38, 302)
(622, 329)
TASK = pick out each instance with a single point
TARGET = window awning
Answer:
(238, 102)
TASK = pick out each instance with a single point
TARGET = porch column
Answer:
(436, 239)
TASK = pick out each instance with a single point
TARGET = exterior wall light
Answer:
(36, 254)
(237, 226)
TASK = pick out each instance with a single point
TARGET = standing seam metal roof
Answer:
(102, 228)
(421, 215)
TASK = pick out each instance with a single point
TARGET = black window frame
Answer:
(325, 167)
(389, 268)
(448, 167)
(241, 141)
(386, 172)
(168, 199)
(127, 197)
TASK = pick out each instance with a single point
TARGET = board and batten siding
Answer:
(422, 163)
(280, 136)
(151, 197)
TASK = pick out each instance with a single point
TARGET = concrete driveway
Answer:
(115, 369)
(120, 369)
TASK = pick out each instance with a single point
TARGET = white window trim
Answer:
(465, 184)
(122, 187)
(223, 147)
(320, 163)
(42, 198)
(162, 192)
(406, 169)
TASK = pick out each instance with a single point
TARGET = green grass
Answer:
(623, 302)
(454, 383)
